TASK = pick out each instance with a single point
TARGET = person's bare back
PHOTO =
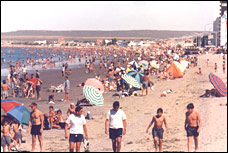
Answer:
(5, 87)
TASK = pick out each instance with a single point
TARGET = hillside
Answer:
(130, 34)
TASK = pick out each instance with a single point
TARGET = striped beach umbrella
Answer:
(16, 110)
(218, 84)
(131, 81)
(93, 95)
(95, 83)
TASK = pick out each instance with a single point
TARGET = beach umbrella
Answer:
(218, 84)
(145, 64)
(134, 64)
(180, 66)
(184, 62)
(131, 81)
(138, 75)
(93, 95)
(16, 110)
(95, 83)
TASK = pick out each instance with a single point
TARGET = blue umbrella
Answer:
(16, 110)
(138, 75)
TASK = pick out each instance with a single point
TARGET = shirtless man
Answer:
(36, 117)
(5, 88)
(192, 126)
(158, 130)
(6, 140)
(146, 80)
(71, 110)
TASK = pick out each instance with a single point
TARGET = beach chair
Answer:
(59, 88)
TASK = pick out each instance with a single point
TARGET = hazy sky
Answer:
(108, 15)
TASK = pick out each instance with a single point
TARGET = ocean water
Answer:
(13, 54)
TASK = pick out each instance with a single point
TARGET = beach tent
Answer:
(180, 66)
(175, 71)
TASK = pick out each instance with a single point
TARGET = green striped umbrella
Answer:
(131, 81)
(93, 95)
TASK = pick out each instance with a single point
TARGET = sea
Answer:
(14, 53)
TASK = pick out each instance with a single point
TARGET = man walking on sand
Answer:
(37, 121)
(158, 131)
(192, 126)
(115, 125)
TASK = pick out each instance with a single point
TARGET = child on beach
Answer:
(6, 139)
(192, 126)
(158, 131)
(5, 88)
(51, 116)
(215, 67)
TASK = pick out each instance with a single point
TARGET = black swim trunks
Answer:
(76, 138)
(115, 133)
(157, 133)
(192, 131)
(36, 130)
(62, 125)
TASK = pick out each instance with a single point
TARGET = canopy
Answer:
(131, 81)
(145, 64)
(218, 84)
(93, 95)
(95, 83)
(173, 69)
(16, 110)
(138, 75)
(180, 66)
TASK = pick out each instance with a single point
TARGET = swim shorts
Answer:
(5, 140)
(192, 131)
(158, 133)
(76, 138)
(115, 133)
(36, 130)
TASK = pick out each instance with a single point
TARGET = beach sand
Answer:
(139, 111)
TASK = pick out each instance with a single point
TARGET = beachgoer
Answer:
(51, 116)
(216, 67)
(224, 67)
(71, 110)
(146, 80)
(115, 126)
(192, 126)
(66, 89)
(60, 122)
(5, 87)
(78, 128)
(6, 139)
(38, 87)
(37, 122)
(158, 131)
(17, 133)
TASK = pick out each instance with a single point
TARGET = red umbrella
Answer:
(95, 83)
(218, 84)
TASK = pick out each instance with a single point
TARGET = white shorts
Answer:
(5, 94)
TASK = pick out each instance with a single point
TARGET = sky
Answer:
(108, 15)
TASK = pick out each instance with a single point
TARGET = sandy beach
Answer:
(139, 111)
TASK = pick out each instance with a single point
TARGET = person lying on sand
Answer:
(212, 92)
